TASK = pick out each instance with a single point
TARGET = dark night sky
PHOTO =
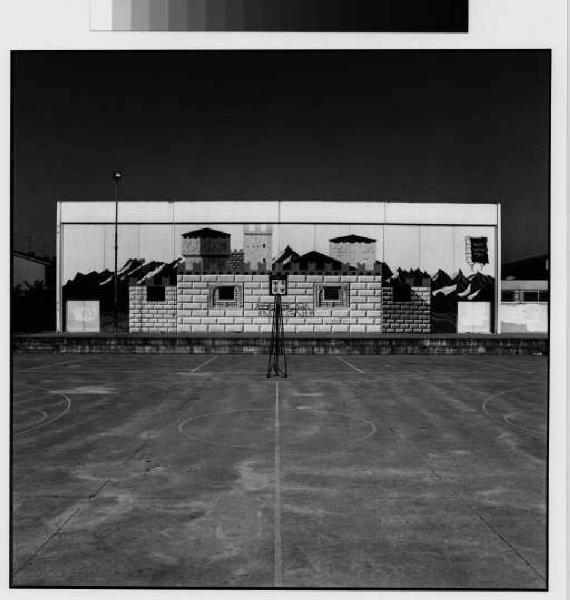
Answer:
(351, 125)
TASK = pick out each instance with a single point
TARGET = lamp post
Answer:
(117, 177)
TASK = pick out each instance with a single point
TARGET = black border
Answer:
(548, 52)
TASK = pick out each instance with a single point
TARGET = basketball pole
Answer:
(277, 343)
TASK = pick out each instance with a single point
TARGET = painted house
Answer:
(354, 249)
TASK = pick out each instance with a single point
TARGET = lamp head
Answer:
(117, 175)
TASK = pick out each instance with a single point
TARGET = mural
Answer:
(343, 279)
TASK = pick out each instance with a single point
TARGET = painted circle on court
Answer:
(255, 428)
(522, 416)
(36, 413)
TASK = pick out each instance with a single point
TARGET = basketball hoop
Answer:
(278, 287)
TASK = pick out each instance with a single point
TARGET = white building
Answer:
(408, 236)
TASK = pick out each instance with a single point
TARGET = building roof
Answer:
(353, 239)
(287, 256)
(314, 261)
(32, 257)
(205, 232)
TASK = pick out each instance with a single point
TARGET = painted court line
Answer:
(277, 547)
(496, 366)
(350, 365)
(203, 365)
(44, 422)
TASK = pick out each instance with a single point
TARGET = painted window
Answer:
(508, 296)
(227, 292)
(524, 296)
(332, 295)
(401, 292)
(225, 296)
(155, 293)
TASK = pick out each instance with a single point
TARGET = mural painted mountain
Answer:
(99, 285)
(447, 292)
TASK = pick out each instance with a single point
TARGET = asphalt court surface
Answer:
(354, 472)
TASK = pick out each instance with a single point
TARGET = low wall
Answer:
(300, 344)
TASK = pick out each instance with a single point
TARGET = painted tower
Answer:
(257, 245)
(206, 248)
(354, 249)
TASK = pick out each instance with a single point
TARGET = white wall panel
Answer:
(473, 317)
(83, 250)
(332, 212)
(441, 213)
(524, 318)
(436, 249)
(227, 212)
(402, 246)
(156, 243)
(272, 211)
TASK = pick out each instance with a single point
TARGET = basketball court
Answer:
(353, 472)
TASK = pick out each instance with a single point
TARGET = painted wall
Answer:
(152, 317)
(354, 253)
(368, 308)
(91, 247)
(407, 317)
(258, 244)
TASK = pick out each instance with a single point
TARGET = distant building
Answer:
(525, 295)
(354, 249)
(28, 268)
(257, 245)
(206, 249)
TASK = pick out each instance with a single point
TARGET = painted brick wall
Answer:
(363, 315)
(406, 317)
(370, 309)
(152, 317)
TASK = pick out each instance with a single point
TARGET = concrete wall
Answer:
(421, 344)
(152, 317)
(524, 317)
(406, 317)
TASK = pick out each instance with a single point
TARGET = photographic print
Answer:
(280, 319)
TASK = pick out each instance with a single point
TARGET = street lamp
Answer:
(117, 177)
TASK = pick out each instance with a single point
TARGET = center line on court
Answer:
(350, 365)
(277, 551)
(203, 364)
